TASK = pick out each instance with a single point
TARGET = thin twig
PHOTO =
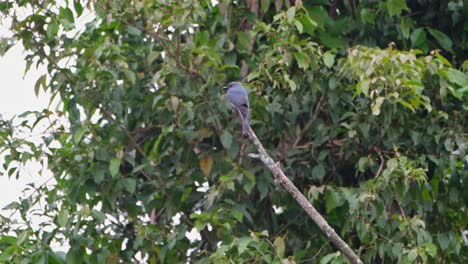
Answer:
(402, 211)
(241, 154)
(309, 123)
(382, 161)
(34, 192)
(133, 141)
(274, 248)
(316, 254)
(163, 41)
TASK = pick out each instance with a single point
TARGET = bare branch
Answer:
(281, 178)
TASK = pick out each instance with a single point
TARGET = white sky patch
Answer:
(176, 219)
(16, 97)
(203, 188)
(193, 235)
(278, 209)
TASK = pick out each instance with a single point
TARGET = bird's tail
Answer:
(245, 125)
(244, 121)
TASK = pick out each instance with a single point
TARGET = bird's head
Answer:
(232, 85)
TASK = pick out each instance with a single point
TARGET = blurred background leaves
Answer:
(362, 102)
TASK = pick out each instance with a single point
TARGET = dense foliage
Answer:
(364, 103)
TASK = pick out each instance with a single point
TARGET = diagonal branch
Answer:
(281, 178)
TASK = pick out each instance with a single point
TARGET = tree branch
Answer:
(309, 123)
(281, 178)
(382, 161)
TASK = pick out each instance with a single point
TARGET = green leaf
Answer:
(291, 13)
(248, 186)
(265, 4)
(396, 6)
(98, 215)
(457, 77)
(407, 105)
(130, 75)
(318, 172)
(418, 37)
(130, 185)
(133, 31)
(292, 85)
(462, 91)
(114, 166)
(242, 244)
(23, 235)
(444, 241)
(430, 248)
(405, 26)
(298, 25)
(52, 29)
(243, 41)
(368, 16)
(226, 139)
(153, 56)
(75, 255)
(12, 205)
(62, 218)
(363, 164)
(202, 38)
(302, 59)
(376, 106)
(362, 232)
(5, 44)
(333, 200)
(98, 174)
(79, 134)
(238, 215)
(78, 7)
(253, 75)
(397, 248)
(40, 82)
(66, 18)
(412, 255)
(330, 41)
(200, 225)
(139, 167)
(308, 25)
(280, 246)
(249, 175)
(7, 254)
(328, 258)
(155, 149)
(9, 240)
(363, 87)
(329, 59)
(443, 60)
(206, 164)
(444, 40)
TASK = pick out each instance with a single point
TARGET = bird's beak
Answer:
(225, 88)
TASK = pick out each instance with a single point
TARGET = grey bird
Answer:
(237, 96)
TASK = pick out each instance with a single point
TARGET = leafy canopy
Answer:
(363, 103)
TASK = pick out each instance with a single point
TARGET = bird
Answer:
(238, 98)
